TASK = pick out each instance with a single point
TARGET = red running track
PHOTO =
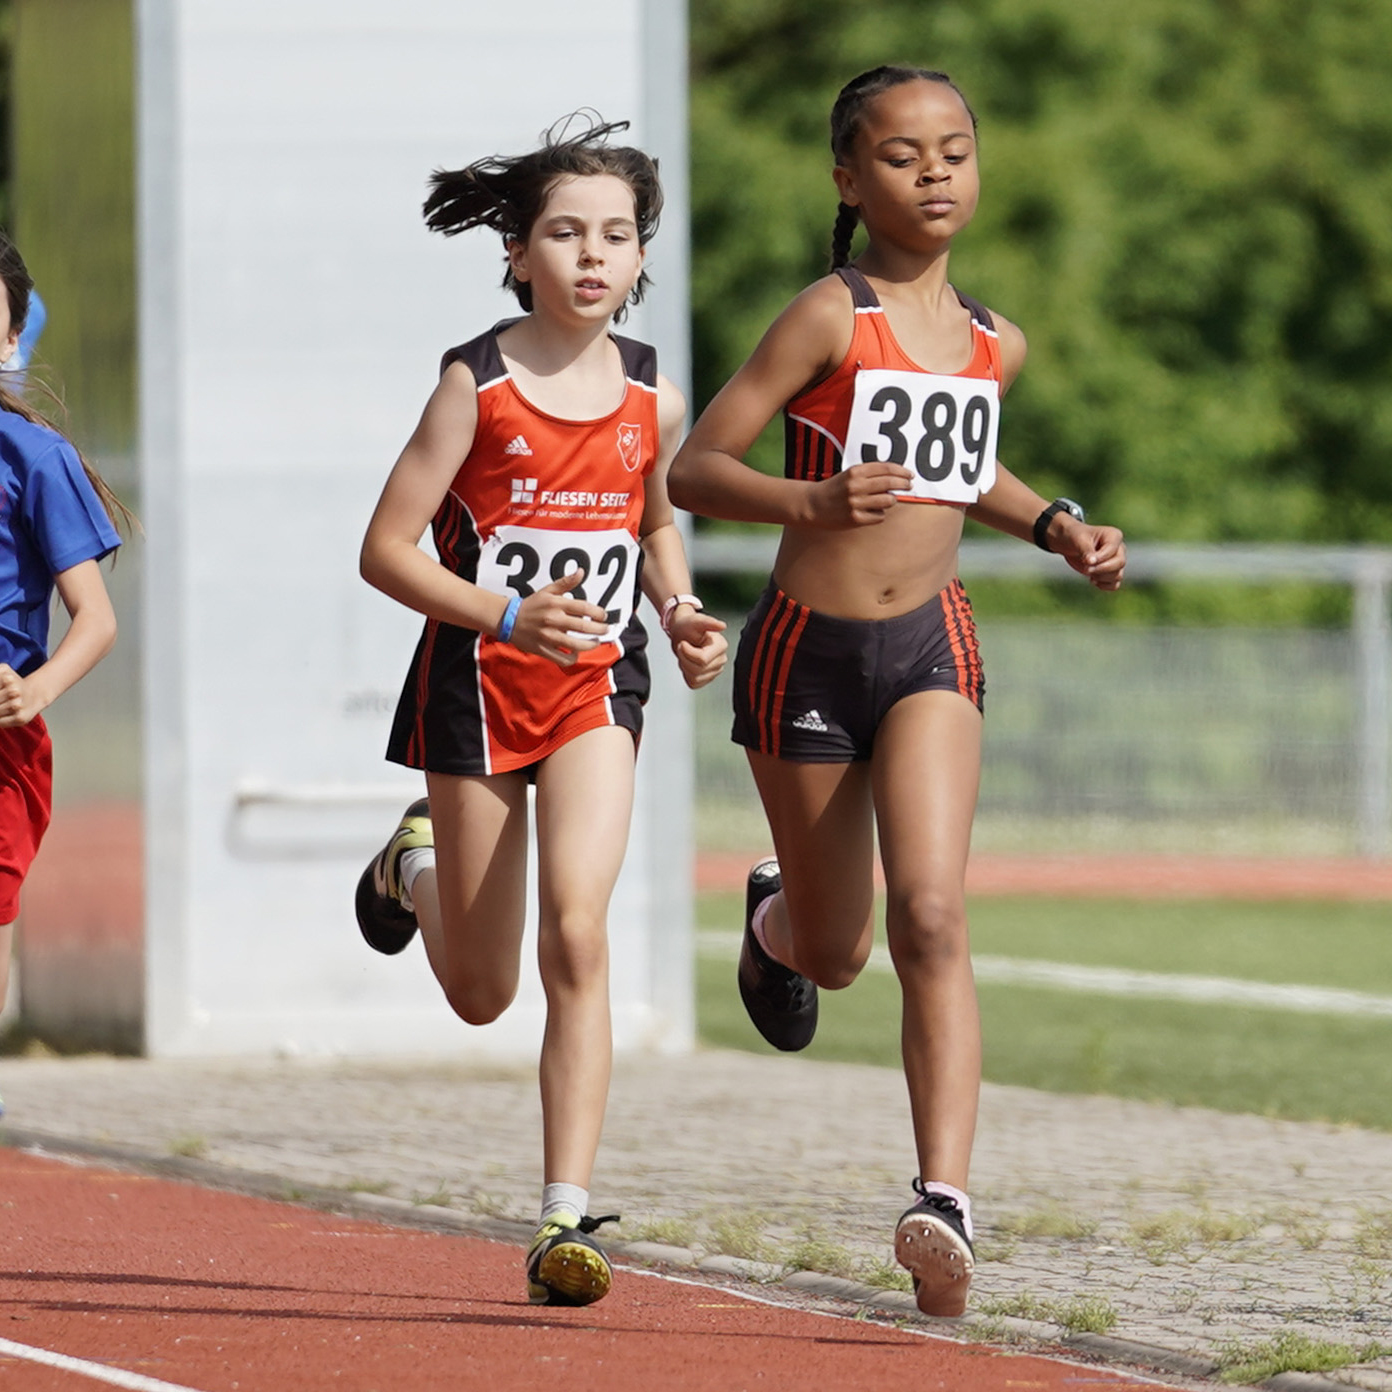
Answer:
(1128, 877)
(215, 1292)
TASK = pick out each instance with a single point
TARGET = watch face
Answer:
(1072, 508)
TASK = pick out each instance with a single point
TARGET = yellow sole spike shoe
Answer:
(565, 1266)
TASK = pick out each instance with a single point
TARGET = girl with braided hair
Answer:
(858, 686)
(540, 464)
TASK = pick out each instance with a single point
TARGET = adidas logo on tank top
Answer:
(517, 445)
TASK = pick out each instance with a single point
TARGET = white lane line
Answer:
(98, 1372)
(1207, 990)
(1118, 981)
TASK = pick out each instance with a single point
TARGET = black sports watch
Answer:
(1041, 523)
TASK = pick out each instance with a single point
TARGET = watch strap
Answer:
(1041, 524)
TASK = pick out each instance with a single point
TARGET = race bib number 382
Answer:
(520, 560)
(942, 429)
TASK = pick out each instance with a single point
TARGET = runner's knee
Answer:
(832, 969)
(825, 956)
(574, 954)
(818, 920)
(927, 928)
(480, 1002)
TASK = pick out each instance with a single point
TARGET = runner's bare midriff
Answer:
(872, 572)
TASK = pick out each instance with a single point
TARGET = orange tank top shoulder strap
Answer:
(639, 361)
(863, 297)
(481, 356)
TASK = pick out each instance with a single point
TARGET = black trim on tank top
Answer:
(484, 358)
(864, 297)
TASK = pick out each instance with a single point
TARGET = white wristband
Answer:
(666, 618)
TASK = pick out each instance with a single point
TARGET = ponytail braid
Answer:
(841, 233)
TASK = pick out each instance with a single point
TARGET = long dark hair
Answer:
(19, 286)
(507, 193)
(846, 114)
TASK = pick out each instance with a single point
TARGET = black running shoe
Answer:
(781, 1003)
(387, 926)
(565, 1266)
(931, 1241)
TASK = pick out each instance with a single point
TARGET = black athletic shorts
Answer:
(814, 689)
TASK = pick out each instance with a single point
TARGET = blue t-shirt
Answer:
(50, 520)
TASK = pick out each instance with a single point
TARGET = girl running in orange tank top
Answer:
(858, 689)
(540, 464)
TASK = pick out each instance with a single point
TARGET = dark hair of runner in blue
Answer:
(507, 193)
(19, 286)
(846, 112)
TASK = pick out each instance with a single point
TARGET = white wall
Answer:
(293, 311)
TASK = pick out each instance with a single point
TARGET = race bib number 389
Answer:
(520, 560)
(943, 429)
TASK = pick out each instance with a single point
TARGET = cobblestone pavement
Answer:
(1106, 1224)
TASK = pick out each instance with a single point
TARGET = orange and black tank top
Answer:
(531, 475)
(536, 498)
(878, 404)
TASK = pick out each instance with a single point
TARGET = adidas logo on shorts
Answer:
(524, 490)
(517, 445)
(811, 721)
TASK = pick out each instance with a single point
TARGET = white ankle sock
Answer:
(957, 1196)
(756, 925)
(568, 1197)
(412, 863)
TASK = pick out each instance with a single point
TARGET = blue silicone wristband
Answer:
(509, 619)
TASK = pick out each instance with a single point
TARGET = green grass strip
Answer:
(1238, 1059)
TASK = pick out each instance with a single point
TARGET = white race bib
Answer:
(941, 428)
(520, 560)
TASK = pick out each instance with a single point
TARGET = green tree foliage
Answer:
(72, 199)
(1187, 206)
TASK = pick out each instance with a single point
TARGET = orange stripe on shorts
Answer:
(781, 683)
(774, 622)
(961, 633)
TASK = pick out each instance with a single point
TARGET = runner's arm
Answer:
(697, 638)
(89, 638)
(709, 476)
(393, 562)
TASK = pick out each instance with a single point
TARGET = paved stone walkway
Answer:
(1127, 1230)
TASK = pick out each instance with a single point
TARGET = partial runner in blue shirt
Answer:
(57, 520)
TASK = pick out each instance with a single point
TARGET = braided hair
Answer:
(846, 114)
(507, 193)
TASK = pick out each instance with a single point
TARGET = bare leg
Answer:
(926, 772)
(822, 923)
(471, 906)
(584, 806)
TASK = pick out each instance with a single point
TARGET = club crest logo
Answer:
(630, 446)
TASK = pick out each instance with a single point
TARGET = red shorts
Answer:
(26, 802)
(473, 706)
